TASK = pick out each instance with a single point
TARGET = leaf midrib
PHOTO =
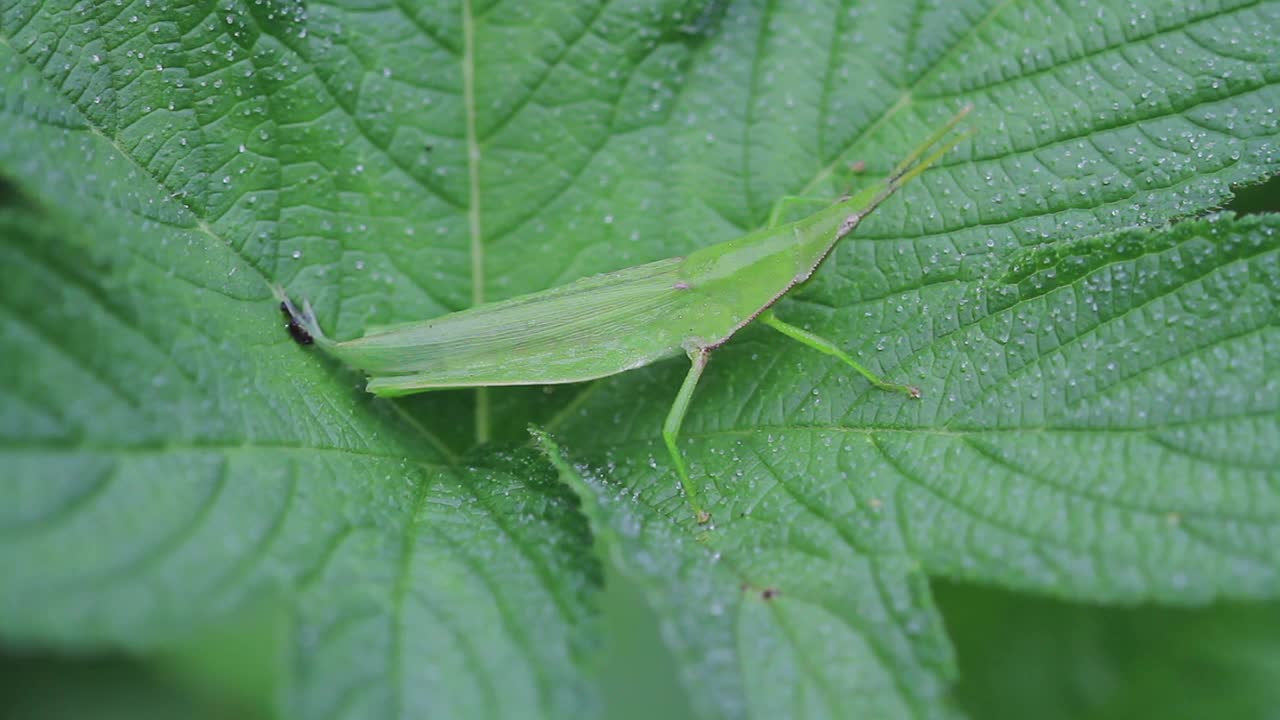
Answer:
(483, 429)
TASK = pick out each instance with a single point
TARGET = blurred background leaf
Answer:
(1027, 657)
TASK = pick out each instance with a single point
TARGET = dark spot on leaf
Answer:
(300, 336)
(296, 331)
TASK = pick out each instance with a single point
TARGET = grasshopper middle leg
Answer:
(671, 429)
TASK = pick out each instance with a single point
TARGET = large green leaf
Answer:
(1091, 461)
(162, 467)
(1099, 418)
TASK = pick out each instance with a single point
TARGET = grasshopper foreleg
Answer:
(823, 345)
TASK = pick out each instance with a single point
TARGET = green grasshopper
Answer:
(619, 321)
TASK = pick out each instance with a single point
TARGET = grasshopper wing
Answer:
(594, 327)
